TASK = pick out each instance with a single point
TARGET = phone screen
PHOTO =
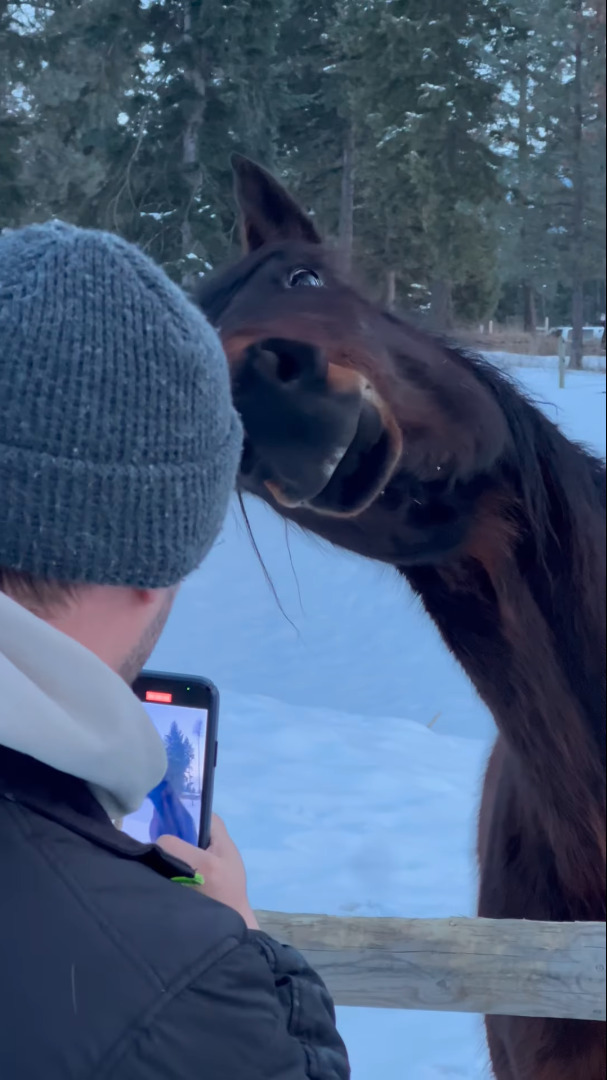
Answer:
(180, 804)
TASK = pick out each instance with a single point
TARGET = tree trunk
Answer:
(529, 315)
(191, 171)
(390, 289)
(577, 323)
(346, 204)
(577, 178)
(441, 311)
(529, 308)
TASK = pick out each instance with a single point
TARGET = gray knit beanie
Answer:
(119, 443)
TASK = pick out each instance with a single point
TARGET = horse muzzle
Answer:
(317, 435)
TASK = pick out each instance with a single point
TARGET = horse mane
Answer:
(560, 482)
(559, 513)
(541, 450)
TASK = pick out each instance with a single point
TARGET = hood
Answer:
(62, 705)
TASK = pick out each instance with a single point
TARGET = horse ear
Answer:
(268, 213)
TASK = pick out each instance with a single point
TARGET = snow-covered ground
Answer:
(514, 360)
(339, 796)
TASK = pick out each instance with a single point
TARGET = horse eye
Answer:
(301, 276)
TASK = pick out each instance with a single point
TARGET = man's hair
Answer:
(40, 597)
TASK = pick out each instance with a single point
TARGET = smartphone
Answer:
(185, 711)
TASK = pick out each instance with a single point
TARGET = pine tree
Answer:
(208, 87)
(577, 145)
(180, 755)
(429, 100)
(552, 130)
(524, 71)
(310, 135)
(82, 60)
(132, 112)
(15, 71)
(450, 151)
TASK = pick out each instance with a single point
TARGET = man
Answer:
(118, 451)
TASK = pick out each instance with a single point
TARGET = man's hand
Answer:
(221, 866)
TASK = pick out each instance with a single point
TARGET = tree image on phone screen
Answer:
(173, 806)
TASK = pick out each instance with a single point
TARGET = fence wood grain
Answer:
(505, 966)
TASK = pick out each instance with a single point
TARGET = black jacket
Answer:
(111, 971)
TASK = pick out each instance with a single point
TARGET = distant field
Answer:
(528, 345)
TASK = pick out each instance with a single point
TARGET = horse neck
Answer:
(522, 609)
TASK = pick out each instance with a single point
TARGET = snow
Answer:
(511, 361)
(157, 215)
(340, 797)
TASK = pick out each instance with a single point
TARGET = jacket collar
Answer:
(70, 802)
(61, 705)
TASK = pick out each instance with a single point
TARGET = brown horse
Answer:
(398, 446)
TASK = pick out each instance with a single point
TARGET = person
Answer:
(119, 447)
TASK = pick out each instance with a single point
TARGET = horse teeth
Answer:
(331, 463)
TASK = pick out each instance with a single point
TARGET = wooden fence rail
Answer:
(505, 966)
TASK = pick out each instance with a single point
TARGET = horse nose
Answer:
(289, 363)
(297, 425)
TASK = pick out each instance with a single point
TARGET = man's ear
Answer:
(268, 213)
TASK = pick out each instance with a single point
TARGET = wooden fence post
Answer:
(562, 361)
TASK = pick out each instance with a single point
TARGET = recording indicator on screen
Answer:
(159, 696)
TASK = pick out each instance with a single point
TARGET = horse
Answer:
(396, 444)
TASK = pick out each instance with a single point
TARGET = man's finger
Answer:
(218, 829)
(187, 853)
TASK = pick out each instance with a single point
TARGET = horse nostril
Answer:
(292, 361)
(288, 368)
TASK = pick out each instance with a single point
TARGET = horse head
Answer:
(343, 404)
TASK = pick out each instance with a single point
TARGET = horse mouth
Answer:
(356, 474)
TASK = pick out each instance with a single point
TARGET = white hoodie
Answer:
(61, 704)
